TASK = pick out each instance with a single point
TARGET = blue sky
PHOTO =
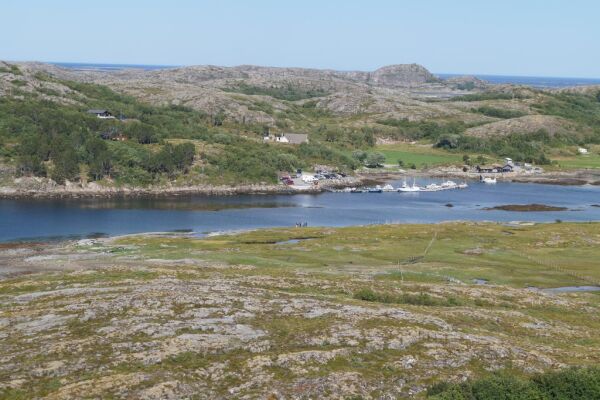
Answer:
(526, 37)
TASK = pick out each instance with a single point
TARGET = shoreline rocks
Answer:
(50, 190)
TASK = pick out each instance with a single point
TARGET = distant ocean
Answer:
(108, 67)
(536, 81)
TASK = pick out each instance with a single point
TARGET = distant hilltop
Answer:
(398, 75)
(277, 96)
(242, 92)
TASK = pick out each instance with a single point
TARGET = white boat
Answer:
(488, 180)
(433, 187)
(463, 185)
(449, 185)
(388, 188)
(406, 188)
(410, 189)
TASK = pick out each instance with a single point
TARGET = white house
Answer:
(296, 138)
(291, 138)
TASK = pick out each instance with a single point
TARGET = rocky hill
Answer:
(241, 92)
(347, 109)
(525, 124)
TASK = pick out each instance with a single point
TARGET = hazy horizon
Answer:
(539, 38)
(164, 66)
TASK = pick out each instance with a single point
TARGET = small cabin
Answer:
(489, 169)
(290, 138)
(102, 114)
(296, 138)
(508, 168)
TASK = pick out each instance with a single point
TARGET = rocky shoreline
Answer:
(564, 178)
(39, 188)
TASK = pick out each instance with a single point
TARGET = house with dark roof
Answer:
(489, 169)
(508, 168)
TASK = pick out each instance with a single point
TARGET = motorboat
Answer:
(433, 187)
(488, 180)
(406, 188)
(388, 188)
(449, 185)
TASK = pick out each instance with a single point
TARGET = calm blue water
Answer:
(535, 81)
(43, 219)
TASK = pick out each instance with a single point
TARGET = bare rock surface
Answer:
(136, 326)
(525, 124)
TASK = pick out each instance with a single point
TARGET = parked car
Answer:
(308, 178)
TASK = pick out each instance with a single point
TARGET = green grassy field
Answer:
(578, 162)
(420, 155)
(423, 155)
(546, 255)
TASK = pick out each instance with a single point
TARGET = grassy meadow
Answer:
(419, 155)
(546, 255)
(579, 162)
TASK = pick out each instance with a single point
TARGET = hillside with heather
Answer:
(205, 125)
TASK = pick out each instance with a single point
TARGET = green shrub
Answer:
(374, 160)
(567, 384)
(527, 147)
(18, 83)
(422, 129)
(498, 112)
(419, 299)
(282, 92)
(359, 155)
(488, 96)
